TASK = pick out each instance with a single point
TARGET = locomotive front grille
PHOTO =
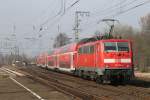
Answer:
(114, 72)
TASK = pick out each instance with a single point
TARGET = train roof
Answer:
(100, 38)
(116, 40)
(94, 38)
(67, 48)
(73, 46)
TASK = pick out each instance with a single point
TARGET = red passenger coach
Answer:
(39, 60)
(104, 59)
(63, 58)
(42, 60)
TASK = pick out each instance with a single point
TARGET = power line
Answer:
(72, 5)
(65, 11)
(126, 10)
(141, 4)
(68, 8)
(44, 11)
(59, 12)
(115, 7)
(125, 5)
(112, 7)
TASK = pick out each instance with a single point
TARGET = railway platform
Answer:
(11, 91)
(16, 86)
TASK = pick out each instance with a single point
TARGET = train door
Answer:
(97, 55)
(57, 61)
(90, 53)
(79, 57)
(86, 56)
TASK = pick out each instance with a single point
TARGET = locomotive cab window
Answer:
(86, 49)
(116, 46)
(91, 49)
(110, 46)
(123, 46)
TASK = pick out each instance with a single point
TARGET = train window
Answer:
(50, 63)
(91, 49)
(110, 46)
(86, 49)
(80, 50)
(123, 46)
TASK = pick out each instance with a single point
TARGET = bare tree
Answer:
(60, 40)
(124, 31)
(144, 41)
(145, 24)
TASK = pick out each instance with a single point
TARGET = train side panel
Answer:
(66, 62)
(51, 62)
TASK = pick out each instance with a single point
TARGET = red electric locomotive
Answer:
(101, 59)
(108, 59)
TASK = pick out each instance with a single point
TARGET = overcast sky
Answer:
(25, 17)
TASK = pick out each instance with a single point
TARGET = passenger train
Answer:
(102, 59)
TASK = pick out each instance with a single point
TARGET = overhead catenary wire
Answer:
(113, 9)
(131, 8)
(125, 4)
(110, 10)
(117, 14)
(58, 13)
(72, 4)
(45, 10)
(123, 11)
(68, 8)
(65, 10)
(57, 19)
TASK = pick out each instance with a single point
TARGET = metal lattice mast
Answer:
(77, 22)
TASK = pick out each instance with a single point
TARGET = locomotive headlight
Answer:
(128, 66)
(106, 66)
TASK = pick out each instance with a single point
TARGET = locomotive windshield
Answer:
(123, 46)
(116, 46)
(110, 46)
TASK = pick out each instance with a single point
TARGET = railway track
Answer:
(130, 90)
(87, 90)
(77, 94)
